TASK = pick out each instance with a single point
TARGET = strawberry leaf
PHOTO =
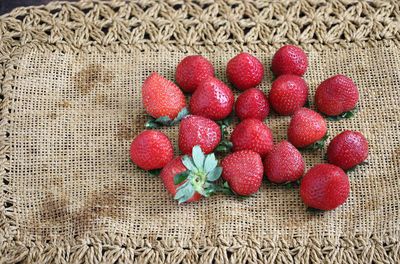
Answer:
(181, 177)
(184, 193)
(307, 104)
(189, 164)
(317, 145)
(214, 174)
(354, 168)
(210, 163)
(198, 156)
(165, 120)
(154, 173)
(348, 114)
(314, 210)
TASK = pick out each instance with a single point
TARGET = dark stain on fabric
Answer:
(102, 99)
(64, 104)
(52, 116)
(111, 201)
(86, 79)
(125, 131)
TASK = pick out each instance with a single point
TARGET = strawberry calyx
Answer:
(202, 171)
(152, 173)
(348, 114)
(314, 210)
(165, 120)
(318, 144)
(226, 189)
(354, 168)
(224, 144)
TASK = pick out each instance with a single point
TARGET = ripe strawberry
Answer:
(288, 94)
(284, 163)
(245, 71)
(252, 103)
(306, 127)
(324, 187)
(198, 130)
(336, 95)
(162, 97)
(289, 60)
(190, 178)
(348, 149)
(243, 170)
(191, 71)
(151, 150)
(212, 99)
(252, 134)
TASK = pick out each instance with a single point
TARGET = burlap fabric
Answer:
(71, 76)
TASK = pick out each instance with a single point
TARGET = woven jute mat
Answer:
(71, 76)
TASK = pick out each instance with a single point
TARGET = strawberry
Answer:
(252, 134)
(161, 97)
(336, 95)
(190, 178)
(243, 170)
(324, 187)
(212, 99)
(289, 60)
(151, 150)
(284, 163)
(198, 130)
(245, 71)
(252, 103)
(348, 149)
(191, 71)
(288, 93)
(307, 127)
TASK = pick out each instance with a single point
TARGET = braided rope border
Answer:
(90, 26)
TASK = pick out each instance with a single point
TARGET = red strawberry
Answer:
(252, 134)
(162, 97)
(336, 95)
(243, 170)
(288, 93)
(245, 71)
(191, 71)
(252, 103)
(289, 60)
(151, 150)
(348, 149)
(190, 178)
(198, 130)
(324, 187)
(212, 99)
(306, 127)
(284, 163)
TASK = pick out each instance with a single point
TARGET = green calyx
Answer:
(227, 190)
(224, 144)
(317, 145)
(200, 177)
(165, 120)
(348, 114)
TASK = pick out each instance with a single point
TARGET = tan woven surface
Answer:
(71, 76)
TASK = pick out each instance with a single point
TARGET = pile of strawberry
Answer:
(194, 175)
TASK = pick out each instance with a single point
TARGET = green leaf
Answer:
(314, 210)
(317, 145)
(221, 148)
(348, 114)
(210, 163)
(181, 177)
(274, 78)
(326, 157)
(214, 174)
(164, 120)
(184, 185)
(184, 112)
(151, 124)
(307, 104)
(202, 192)
(198, 156)
(188, 162)
(154, 173)
(288, 186)
(188, 193)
